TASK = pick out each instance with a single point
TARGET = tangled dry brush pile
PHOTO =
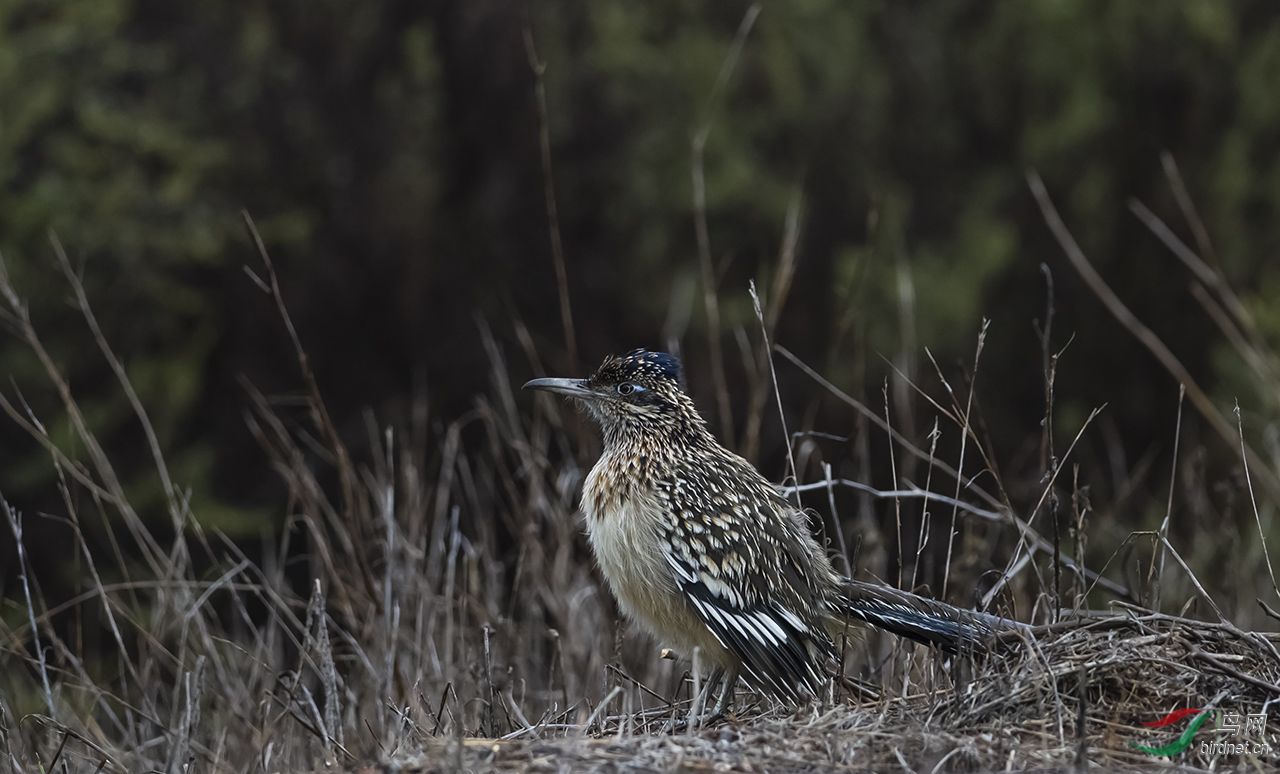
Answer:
(431, 605)
(1067, 698)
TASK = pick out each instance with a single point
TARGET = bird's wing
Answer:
(735, 553)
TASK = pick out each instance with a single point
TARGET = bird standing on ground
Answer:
(704, 552)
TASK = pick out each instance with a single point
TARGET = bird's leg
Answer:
(726, 693)
(697, 712)
(698, 704)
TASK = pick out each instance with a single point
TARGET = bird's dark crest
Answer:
(641, 364)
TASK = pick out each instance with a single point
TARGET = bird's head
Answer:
(632, 393)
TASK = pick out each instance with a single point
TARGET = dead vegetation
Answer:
(1073, 696)
(432, 606)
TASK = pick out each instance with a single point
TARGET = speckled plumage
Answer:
(702, 550)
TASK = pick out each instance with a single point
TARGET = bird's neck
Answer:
(669, 439)
(636, 457)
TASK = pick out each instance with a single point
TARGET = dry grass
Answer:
(1072, 697)
(431, 605)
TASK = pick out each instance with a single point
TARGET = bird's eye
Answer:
(628, 388)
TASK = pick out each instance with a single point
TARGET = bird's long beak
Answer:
(574, 388)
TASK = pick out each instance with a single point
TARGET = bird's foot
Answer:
(683, 724)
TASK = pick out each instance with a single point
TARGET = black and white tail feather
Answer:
(918, 618)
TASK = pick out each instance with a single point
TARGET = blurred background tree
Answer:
(389, 153)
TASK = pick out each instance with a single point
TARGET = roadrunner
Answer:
(704, 552)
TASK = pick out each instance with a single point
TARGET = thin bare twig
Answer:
(1185, 204)
(539, 69)
(117, 368)
(779, 288)
(24, 572)
(1253, 501)
(964, 445)
(1168, 510)
(782, 416)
